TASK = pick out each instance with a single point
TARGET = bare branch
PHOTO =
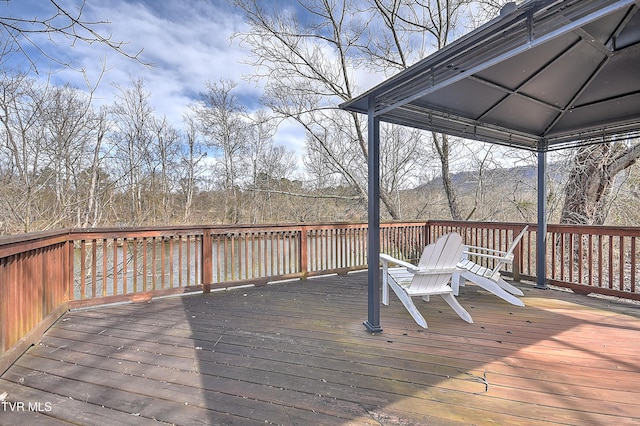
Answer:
(61, 23)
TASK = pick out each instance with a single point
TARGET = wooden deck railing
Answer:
(594, 259)
(44, 274)
(496, 236)
(34, 277)
(587, 259)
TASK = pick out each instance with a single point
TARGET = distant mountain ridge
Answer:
(467, 180)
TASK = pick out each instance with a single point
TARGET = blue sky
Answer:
(188, 41)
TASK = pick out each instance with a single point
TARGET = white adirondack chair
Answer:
(489, 279)
(430, 277)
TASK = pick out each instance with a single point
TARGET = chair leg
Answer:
(453, 302)
(385, 286)
(408, 303)
(492, 287)
(456, 283)
(510, 288)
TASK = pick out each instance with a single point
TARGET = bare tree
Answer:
(624, 210)
(403, 153)
(588, 189)
(132, 137)
(163, 157)
(96, 179)
(74, 131)
(307, 67)
(442, 147)
(310, 65)
(270, 166)
(222, 120)
(23, 139)
(191, 167)
(51, 154)
(23, 34)
(443, 16)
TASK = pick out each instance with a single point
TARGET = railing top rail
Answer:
(467, 224)
(32, 236)
(575, 229)
(388, 224)
(104, 233)
(14, 244)
(633, 231)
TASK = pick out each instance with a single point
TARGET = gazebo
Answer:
(543, 76)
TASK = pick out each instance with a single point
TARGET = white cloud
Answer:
(187, 47)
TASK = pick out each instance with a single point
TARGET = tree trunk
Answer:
(588, 189)
(441, 142)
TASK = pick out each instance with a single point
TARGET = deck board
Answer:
(297, 353)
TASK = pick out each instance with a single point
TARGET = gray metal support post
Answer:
(373, 248)
(541, 234)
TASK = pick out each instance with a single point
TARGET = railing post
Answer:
(304, 253)
(517, 258)
(68, 273)
(427, 231)
(207, 259)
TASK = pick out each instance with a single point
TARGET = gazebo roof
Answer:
(543, 76)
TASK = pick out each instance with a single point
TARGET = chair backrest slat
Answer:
(516, 240)
(444, 254)
(508, 257)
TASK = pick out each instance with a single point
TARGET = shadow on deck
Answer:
(297, 353)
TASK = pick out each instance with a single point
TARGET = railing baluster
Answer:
(304, 252)
(171, 260)
(621, 264)
(555, 239)
(135, 264)
(115, 266)
(160, 243)
(579, 239)
(634, 265)
(181, 240)
(319, 249)
(590, 259)
(124, 265)
(104, 267)
(610, 261)
(260, 251)
(188, 260)
(94, 268)
(599, 260)
(154, 263)
(198, 259)
(206, 261)
(83, 266)
(145, 264)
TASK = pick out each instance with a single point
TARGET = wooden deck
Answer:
(297, 353)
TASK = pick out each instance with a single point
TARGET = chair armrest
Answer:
(505, 259)
(474, 249)
(386, 259)
(390, 259)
